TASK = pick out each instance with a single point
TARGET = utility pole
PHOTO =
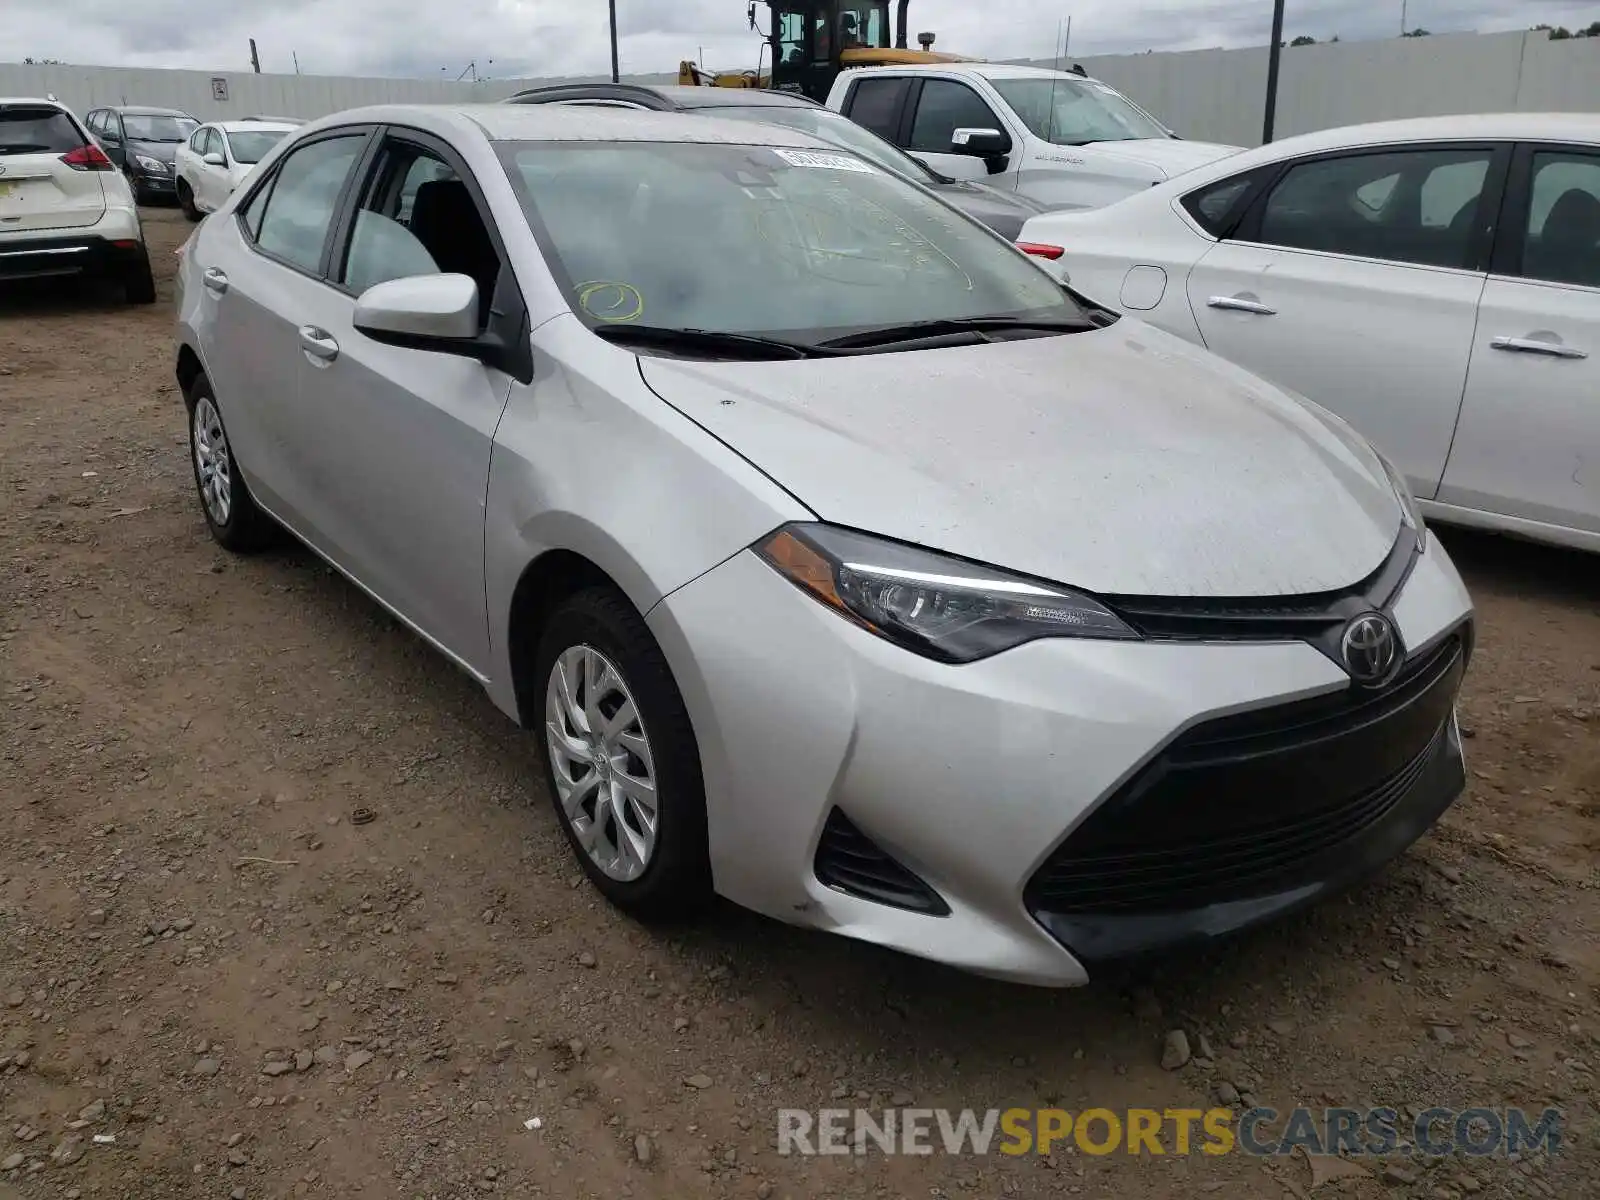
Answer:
(255, 59)
(1274, 53)
(616, 72)
(296, 58)
(1402, 18)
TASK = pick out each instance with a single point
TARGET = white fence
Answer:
(1219, 95)
(1212, 95)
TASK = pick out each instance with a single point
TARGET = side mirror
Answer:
(422, 312)
(980, 143)
(213, 159)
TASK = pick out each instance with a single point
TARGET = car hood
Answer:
(1119, 461)
(1167, 156)
(1004, 212)
(164, 151)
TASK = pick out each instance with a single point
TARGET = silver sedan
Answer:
(842, 561)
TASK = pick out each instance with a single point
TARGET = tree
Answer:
(1593, 31)
(44, 62)
(1416, 33)
(1303, 40)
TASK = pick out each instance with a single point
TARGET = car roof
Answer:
(41, 100)
(144, 110)
(986, 70)
(719, 97)
(665, 95)
(1486, 126)
(242, 126)
(563, 123)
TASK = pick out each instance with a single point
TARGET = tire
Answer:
(138, 282)
(674, 880)
(186, 201)
(237, 525)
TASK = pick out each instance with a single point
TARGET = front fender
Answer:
(587, 459)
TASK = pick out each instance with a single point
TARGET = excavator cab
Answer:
(810, 41)
(813, 40)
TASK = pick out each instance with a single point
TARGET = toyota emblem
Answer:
(1370, 646)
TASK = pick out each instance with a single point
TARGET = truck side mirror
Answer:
(991, 145)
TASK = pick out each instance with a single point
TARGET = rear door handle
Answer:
(1535, 346)
(318, 343)
(1240, 304)
(216, 280)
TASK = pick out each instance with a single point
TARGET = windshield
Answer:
(840, 131)
(251, 146)
(146, 127)
(1072, 112)
(809, 244)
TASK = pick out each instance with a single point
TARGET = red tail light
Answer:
(88, 158)
(1041, 249)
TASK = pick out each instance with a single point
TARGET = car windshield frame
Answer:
(1037, 102)
(275, 136)
(145, 127)
(883, 152)
(907, 243)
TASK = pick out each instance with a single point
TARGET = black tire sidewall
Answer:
(677, 880)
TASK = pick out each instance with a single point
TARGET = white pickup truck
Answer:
(1058, 138)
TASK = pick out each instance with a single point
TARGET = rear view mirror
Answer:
(213, 159)
(980, 143)
(423, 312)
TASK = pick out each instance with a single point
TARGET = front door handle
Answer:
(1535, 346)
(1240, 304)
(216, 280)
(318, 343)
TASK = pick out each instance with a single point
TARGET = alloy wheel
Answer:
(602, 762)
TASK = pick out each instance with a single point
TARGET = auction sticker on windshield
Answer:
(823, 161)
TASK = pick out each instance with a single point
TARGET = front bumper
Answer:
(975, 781)
(151, 184)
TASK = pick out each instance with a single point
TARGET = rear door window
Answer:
(36, 130)
(876, 103)
(1404, 206)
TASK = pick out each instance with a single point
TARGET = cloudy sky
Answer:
(438, 38)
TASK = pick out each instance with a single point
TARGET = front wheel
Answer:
(621, 758)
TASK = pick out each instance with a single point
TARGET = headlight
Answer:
(154, 165)
(944, 608)
(1409, 512)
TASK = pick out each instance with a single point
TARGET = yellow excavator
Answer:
(808, 43)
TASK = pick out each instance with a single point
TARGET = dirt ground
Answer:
(204, 957)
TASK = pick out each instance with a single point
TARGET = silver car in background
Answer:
(841, 560)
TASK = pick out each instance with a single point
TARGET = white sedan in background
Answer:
(217, 156)
(1435, 282)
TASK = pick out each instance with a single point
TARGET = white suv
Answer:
(1058, 138)
(65, 209)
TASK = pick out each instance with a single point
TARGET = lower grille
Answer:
(1235, 807)
(850, 861)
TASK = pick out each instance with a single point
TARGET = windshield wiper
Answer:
(915, 331)
(737, 345)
